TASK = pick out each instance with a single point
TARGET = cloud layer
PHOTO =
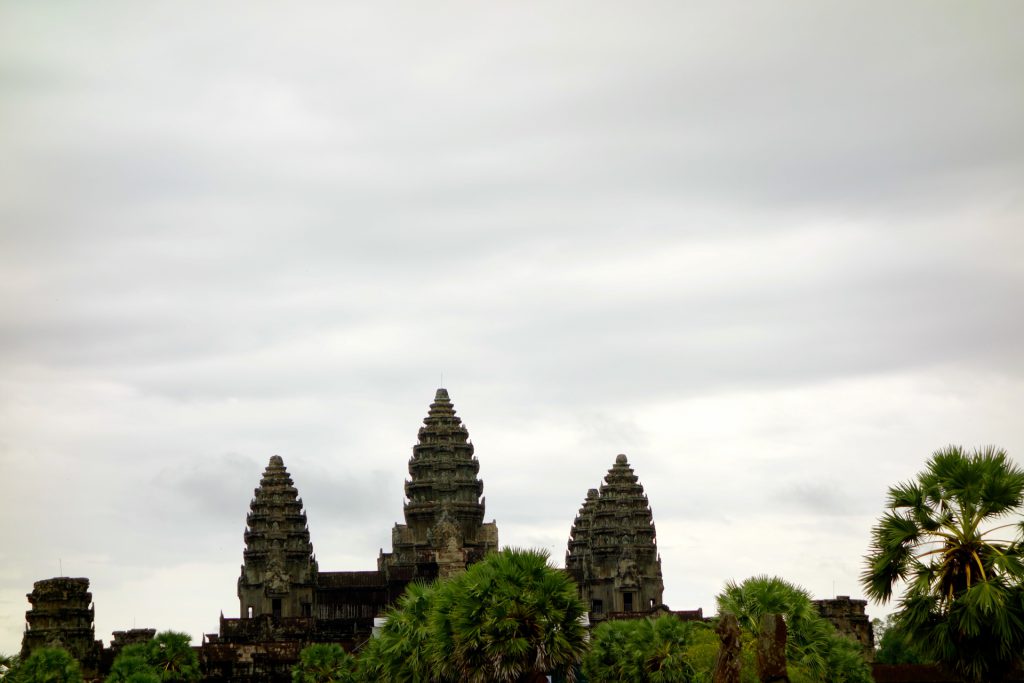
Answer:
(772, 255)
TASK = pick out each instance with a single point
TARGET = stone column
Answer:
(771, 650)
(727, 665)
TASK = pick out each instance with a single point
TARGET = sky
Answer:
(774, 253)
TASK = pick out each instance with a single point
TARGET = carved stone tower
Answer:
(279, 572)
(62, 616)
(613, 553)
(444, 529)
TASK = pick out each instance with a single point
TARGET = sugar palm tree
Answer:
(49, 665)
(400, 652)
(132, 666)
(171, 654)
(812, 644)
(647, 651)
(955, 540)
(324, 663)
(508, 618)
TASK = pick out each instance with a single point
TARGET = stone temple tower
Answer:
(62, 616)
(444, 529)
(279, 572)
(613, 553)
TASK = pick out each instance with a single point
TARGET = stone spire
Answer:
(578, 557)
(613, 552)
(443, 473)
(279, 571)
(62, 616)
(444, 509)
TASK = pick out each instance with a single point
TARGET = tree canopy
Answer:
(325, 663)
(812, 643)
(953, 539)
(507, 618)
(49, 665)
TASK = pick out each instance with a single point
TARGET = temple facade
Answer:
(286, 602)
(613, 549)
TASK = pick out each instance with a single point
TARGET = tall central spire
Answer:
(444, 508)
(443, 473)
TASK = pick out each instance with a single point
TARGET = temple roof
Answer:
(443, 470)
(615, 520)
(276, 521)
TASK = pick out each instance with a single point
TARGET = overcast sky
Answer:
(772, 252)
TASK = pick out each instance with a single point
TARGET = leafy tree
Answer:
(401, 651)
(171, 654)
(9, 667)
(132, 666)
(893, 645)
(953, 537)
(49, 665)
(663, 650)
(325, 663)
(812, 645)
(507, 618)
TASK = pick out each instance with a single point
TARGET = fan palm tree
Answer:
(49, 665)
(808, 633)
(171, 654)
(8, 667)
(324, 663)
(132, 666)
(955, 540)
(812, 643)
(399, 653)
(647, 651)
(508, 618)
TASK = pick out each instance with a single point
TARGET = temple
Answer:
(613, 550)
(286, 602)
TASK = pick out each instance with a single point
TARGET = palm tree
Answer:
(324, 663)
(812, 643)
(400, 652)
(649, 651)
(132, 666)
(808, 633)
(171, 654)
(49, 665)
(8, 667)
(508, 618)
(954, 538)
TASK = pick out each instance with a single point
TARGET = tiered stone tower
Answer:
(279, 573)
(62, 616)
(613, 553)
(444, 529)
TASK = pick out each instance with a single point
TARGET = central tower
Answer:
(444, 528)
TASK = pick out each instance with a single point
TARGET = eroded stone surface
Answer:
(613, 553)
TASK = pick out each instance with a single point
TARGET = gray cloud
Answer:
(774, 256)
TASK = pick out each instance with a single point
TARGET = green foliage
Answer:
(954, 538)
(401, 651)
(49, 665)
(506, 618)
(167, 658)
(171, 654)
(9, 667)
(132, 666)
(325, 663)
(813, 648)
(663, 650)
(894, 645)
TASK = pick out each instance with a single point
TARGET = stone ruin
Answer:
(613, 549)
(62, 616)
(286, 602)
